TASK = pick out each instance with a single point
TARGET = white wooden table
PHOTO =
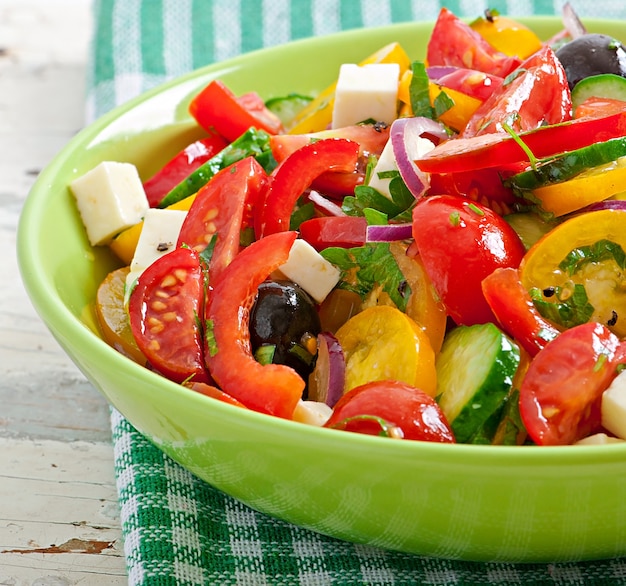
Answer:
(59, 518)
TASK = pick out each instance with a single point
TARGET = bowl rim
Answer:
(64, 324)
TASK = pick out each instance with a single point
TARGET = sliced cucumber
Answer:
(604, 85)
(286, 107)
(530, 226)
(568, 165)
(475, 370)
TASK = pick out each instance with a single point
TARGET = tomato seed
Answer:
(158, 306)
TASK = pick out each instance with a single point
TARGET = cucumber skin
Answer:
(603, 85)
(491, 390)
(568, 165)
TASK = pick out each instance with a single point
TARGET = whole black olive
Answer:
(592, 54)
(285, 316)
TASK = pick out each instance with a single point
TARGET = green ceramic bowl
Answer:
(453, 501)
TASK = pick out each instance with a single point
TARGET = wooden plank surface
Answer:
(59, 517)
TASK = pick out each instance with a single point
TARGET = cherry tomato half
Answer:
(560, 396)
(461, 242)
(391, 408)
(163, 308)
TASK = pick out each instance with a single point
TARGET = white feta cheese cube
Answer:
(312, 413)
(366, 91)
(110, 198)
(309, 269)
(159, 235)
(614, 406)
(416, 147)
(598, 439)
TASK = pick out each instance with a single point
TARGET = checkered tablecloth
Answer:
(177, 529)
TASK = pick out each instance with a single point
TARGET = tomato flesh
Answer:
(163, 309)
(562, 389)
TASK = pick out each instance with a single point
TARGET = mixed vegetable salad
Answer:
(429, 250)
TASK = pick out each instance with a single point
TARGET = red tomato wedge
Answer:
(499, 149)
(217, 108)
(214, 393)
(561, 392)
(274, 389)
(460, 243)
(163, 311)
(178, 168)
(403, 410)
(515, 311)
(453, 42)
(537, 95)
(223, 207)
(343, 231)
(295, 175)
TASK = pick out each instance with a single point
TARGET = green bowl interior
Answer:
(467, 502)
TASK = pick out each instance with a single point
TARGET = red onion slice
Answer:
(329, 207)
(389, 232)
(436, 72)
(327, 380)
(572, 23)
(403, 135)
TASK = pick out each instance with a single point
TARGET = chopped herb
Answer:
(442, 103)
(419, 93)
(374, 217)
(511, 77)
(474, 208)
(300, 214)
(598, 252)
(301, 353)
(210, 337)
(600, 362)
(531, 157)
(264, 354)
(570, 309)
(455, 218)
(207, 252)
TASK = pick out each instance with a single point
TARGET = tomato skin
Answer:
(561, 392)
(477, 84)
(460, 243)
(538, 96)
(163, 310)
(453, 42)
(214, 393)
(401, 405)
(273, 388)
(499, 149)
(179, 167)
(599, 107)
(343, 231)
(296, 173)
(223, 207)
(515, 311)
(216, 107)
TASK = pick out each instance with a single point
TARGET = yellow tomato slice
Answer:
(382, 343)
(456, 117)
(590, 186)
(112, 316)
(507, 35)
(602, 276)
(125, 243)
(317, 115)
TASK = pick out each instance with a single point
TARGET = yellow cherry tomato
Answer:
(507, 35)
(456, 117)
(317, 115)
(590, 186)
(585, 250)
(382, 343)
(112, 316)
(125, 243)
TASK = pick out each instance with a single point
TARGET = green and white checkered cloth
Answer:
(177, 529)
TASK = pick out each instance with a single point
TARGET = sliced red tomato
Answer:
(296, 173)
(499, 149)
(477, 84)
(343, 231)
(163, 309)
(178, 168)
(534, 95)
(599, 107)
(515, 311)
(560, 396)
(271, 388)
(486, 186)
(391, 408)
(453, 42)
(223, 207)
(214, 393)
(460, 243)
(216, 107)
